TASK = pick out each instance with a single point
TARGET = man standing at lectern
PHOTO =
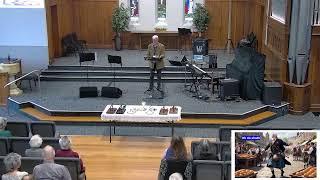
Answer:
(155, 57)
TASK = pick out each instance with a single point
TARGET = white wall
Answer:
(147, 19)
(23, 34)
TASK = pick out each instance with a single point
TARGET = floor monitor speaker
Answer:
(88, 92)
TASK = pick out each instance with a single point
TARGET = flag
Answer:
(186, 6)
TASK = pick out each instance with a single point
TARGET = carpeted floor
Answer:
(65, 96)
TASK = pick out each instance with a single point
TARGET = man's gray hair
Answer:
(48, 153)
(35, 141)
(12, 162)
(3, 123)
(65, 143)
(155, 37)
(176, 176)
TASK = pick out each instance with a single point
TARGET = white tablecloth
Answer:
(141, 115)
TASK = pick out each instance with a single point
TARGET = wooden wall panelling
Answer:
(92, 21)
(4, 92)
(314, 70)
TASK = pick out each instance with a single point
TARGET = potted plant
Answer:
(120, 23)
(201, 18)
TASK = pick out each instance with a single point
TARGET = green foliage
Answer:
(201, 18)
(120, 19)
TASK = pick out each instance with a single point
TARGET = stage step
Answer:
(124, 68)
(251, 120)
(109, 78)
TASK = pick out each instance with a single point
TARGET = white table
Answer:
(140, 114)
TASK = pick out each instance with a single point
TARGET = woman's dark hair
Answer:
(179, 148)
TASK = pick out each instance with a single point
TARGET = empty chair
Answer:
(225, 132)
(18, 128)
(44, 129)
(4, 146)
(72, 164)
(28, 163)
(19, 144)
(168, 167)
(2, 166)
(225, 151)
(54, 142)
(227, 170)
(208, 170)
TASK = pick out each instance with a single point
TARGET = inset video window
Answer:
(265, 154)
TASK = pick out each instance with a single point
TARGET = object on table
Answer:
(173, 110)
(163, 111)
(309, 172)
(111, 110)
(121, 109)
(245, 173)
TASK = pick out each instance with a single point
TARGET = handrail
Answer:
(22, 78)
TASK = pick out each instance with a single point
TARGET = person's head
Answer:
(204, 145)
(155, 39)
(3, 123)
(65, 143)
(175, 176)
(274, 137)
(48, 153)
(12, 162)
(35, 141)
(179, 148)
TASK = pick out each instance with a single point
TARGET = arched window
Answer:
(161, 9)
(134, 8)
(188, 9)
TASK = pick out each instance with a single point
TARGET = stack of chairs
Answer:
(72, 45)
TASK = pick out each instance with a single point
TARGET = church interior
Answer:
(138, 89)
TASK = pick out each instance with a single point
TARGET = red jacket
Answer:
(70, 153)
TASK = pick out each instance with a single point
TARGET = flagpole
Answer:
(229, 43)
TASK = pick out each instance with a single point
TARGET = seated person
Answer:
(66, 151)
(177, 149)
(35, 147)
(3, 131)
(48, 169)
(12, 163)
(204, 151)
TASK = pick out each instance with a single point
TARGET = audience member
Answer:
(12, 163)
(66, 151)
(177, 149)
(3, 131)
(175, 176)
(204, 151)
(50, 170)
(35, 147)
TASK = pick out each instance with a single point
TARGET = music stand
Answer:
(114, 60)
(87, 57)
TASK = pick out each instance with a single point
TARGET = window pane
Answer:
(161, 8)
(278, 9)
(188, 8)
(134, 8)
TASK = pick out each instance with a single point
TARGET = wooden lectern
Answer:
(4, 92)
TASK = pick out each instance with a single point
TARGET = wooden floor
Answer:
(126, 158)
(242, 122)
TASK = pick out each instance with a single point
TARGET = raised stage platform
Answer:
(58, 98)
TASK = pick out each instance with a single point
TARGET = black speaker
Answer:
(272, 93)
(200, 46)
(111, 92)
(229, 88)
(88, 92)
